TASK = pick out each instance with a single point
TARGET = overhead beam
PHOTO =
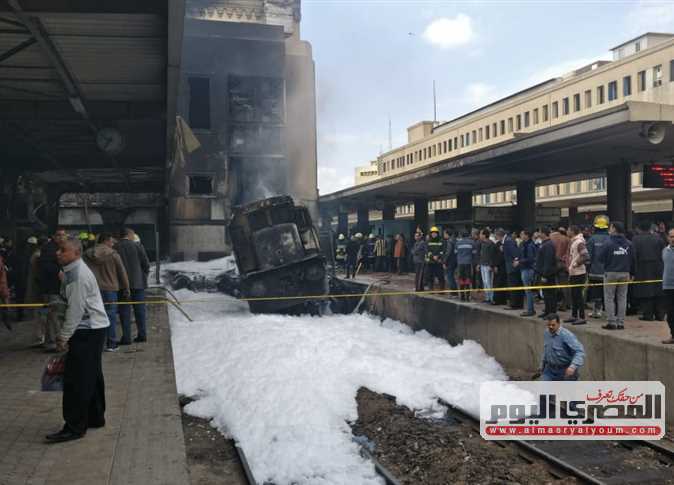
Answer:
(14, 50)
(73, 92)
(5, 20)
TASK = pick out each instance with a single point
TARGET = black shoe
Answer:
(609, 326)
(124, 342)
(570, 320)
(97, 424)
(62, 436)
(579, 322)
(528, 314)
(620, 327)
(140, 339)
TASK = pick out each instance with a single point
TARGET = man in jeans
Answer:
(107, 267)
(526, 266)
(668, 283)
(137, 267)
(618, 258)
(487, 265)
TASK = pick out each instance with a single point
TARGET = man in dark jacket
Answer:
(487, 265)
(465, 254)
(526, 266)
(595, 245)
(106, 265)
(435, 258)
(648, 266)
(50, 285)
(419, 251)
(450, 260)
(137, 267)
(618, 258)
(546, 269)
(511, 253)
(501, 276)
(352, 248)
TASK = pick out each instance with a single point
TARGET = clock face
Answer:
(110, 140)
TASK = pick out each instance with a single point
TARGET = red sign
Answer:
(659, 176)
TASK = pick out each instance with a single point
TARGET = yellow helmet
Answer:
(435, 229)
(83, 236)
(92, 237)
(601, 222)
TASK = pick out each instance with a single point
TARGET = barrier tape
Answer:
(164, 301)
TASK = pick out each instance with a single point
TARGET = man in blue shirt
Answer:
(564, 355)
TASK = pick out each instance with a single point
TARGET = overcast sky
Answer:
(376, 59)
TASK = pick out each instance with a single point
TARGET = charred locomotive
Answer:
(278, 255)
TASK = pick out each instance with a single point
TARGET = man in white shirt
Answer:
(82, 336)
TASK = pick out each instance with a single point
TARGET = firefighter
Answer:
(352, 256)
(435, 258)
(369, 253)
(340, 252)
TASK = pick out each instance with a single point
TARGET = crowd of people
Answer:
(31, 273)
(603, 269)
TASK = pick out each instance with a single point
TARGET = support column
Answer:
(343, 223)
(525, 216)
(573, 214)
(326, 221)
(421, 214)
(464, 200)
(619, 193)
(389, 212)
(363, 220)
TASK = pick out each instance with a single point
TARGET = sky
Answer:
(377, 59)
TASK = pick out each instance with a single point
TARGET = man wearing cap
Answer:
(563, 354)
(352, 248)
(595, 245)
(340, 252)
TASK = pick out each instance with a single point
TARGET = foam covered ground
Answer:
(285, 387)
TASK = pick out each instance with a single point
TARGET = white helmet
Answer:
(359, 235)
(371, 236)
(341, 237)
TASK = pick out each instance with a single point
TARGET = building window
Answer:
(535, 116)
(600, 94)
(555, 110)
(510, 125)
(641, 81)
(486, 132)
(479, 134)
(474, 137)
(446, 147)
(493, 130)
(518, 122)
(657, 76)
(434, 151)
(565, 106)
(502, 127)
(671, 71)
(200, 185)
(588, 98)
(462, 141)
(456, 144)
(627, 85)
(526, 120)
(545, 112)
(576, 102)
(200, 103)
(637, 46)
(612, 90)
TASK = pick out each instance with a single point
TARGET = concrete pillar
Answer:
(389, 212)
(525, 216)
(573, 214)
(326, 221)
(421, 214)
(363, 220)
(343, 223)
(619, 193)
(464, 200)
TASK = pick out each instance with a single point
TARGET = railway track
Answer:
(593, 462)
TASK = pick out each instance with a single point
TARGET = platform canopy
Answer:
(86, 89)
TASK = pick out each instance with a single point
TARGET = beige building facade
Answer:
(642, 69)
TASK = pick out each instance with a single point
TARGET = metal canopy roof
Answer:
(71, 68)
(580, 148)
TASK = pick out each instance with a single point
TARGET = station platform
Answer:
(142, 442)
(516, 342)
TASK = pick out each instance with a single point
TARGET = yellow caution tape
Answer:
(164, 301)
